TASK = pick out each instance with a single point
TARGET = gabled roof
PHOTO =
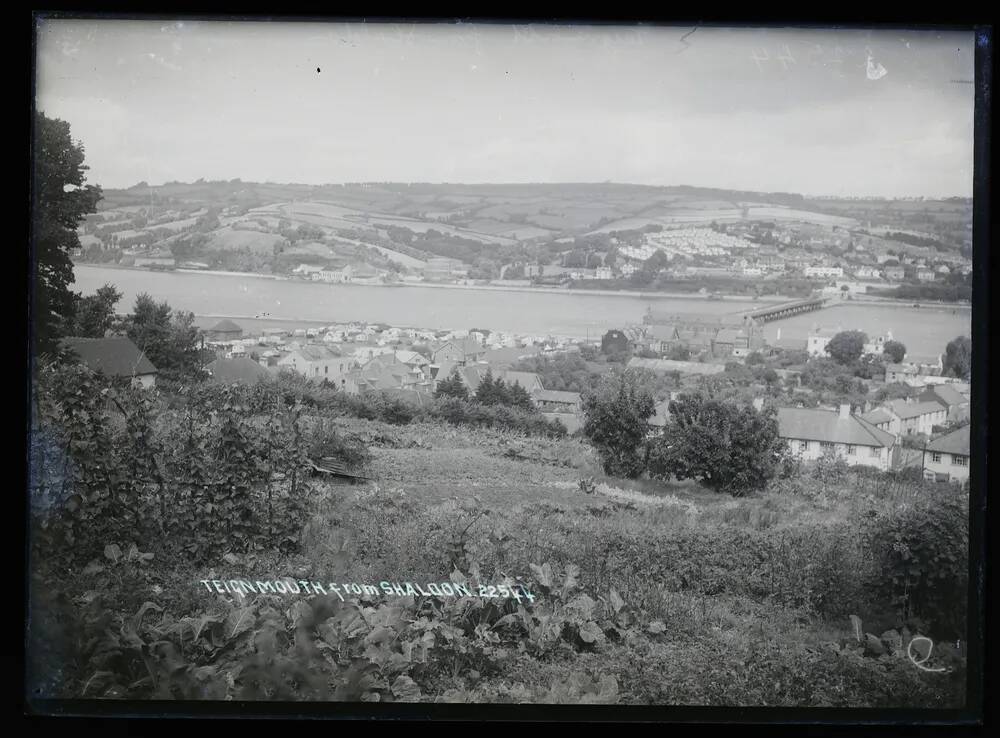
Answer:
(877, 416)
(946, 394)
(525, 379)
(907, 410)
(956, 442)
(116, 356)
(900, 369)
(239, 369)
(827, 426)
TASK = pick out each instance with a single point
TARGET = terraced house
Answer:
(946, 459)
(812, 434)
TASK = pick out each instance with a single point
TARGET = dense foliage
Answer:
(847, 346)
(727, 447)
(958, 358)
(616, 415)
(60, 199)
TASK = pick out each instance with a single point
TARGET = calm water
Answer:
(571, 314)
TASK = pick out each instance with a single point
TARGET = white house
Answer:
(817, 340)
(811, 434)
(946, 459)
(318, 362)
(918, 417)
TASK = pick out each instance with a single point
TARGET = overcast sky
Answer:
(766, 110)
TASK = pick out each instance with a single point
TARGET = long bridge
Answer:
(785, 310)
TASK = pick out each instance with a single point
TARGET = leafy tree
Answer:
(895, 350)
(452, 386)
(727, 447)
(615, 422)
(847, 346)
(94, 315)
(755, 358)
(958, 358)
(169, 339)
(60, 201)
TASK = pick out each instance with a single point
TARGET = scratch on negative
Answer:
(684, 39)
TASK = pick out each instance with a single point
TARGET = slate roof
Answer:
(528, 380)
(827, 426)
(239, 369)
(956, 442)
(907, 410)
(946, 394)
(727, 335)
(116, 356)
(877, 416)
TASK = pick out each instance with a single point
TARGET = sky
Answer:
(773, 110)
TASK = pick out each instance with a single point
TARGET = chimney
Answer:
(845, 412)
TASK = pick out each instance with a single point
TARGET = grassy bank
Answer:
(645, 594)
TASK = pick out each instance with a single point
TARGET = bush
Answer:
(922, 550)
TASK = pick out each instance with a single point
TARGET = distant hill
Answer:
(402, 226)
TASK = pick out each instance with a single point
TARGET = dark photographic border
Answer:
(970, 716)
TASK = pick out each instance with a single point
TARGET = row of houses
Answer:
(874, 439)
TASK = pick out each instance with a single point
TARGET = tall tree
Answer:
(452, 386)
(958, 358)
(895, 350)
(60, 201)
(169, 339)
(518, 396)
(847, 346)
(615, 422)
(94, 315)
(728, 447)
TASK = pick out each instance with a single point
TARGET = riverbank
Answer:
(768, 299)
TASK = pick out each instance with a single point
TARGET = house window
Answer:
(936, 458)
(805, 445)
(852, 450)
(875, 452)
(959, 460)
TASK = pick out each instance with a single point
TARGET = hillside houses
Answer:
(917, 417)
(946, 459)
(461, 351)
(956, 404)
(317, 361)
(811, 434)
